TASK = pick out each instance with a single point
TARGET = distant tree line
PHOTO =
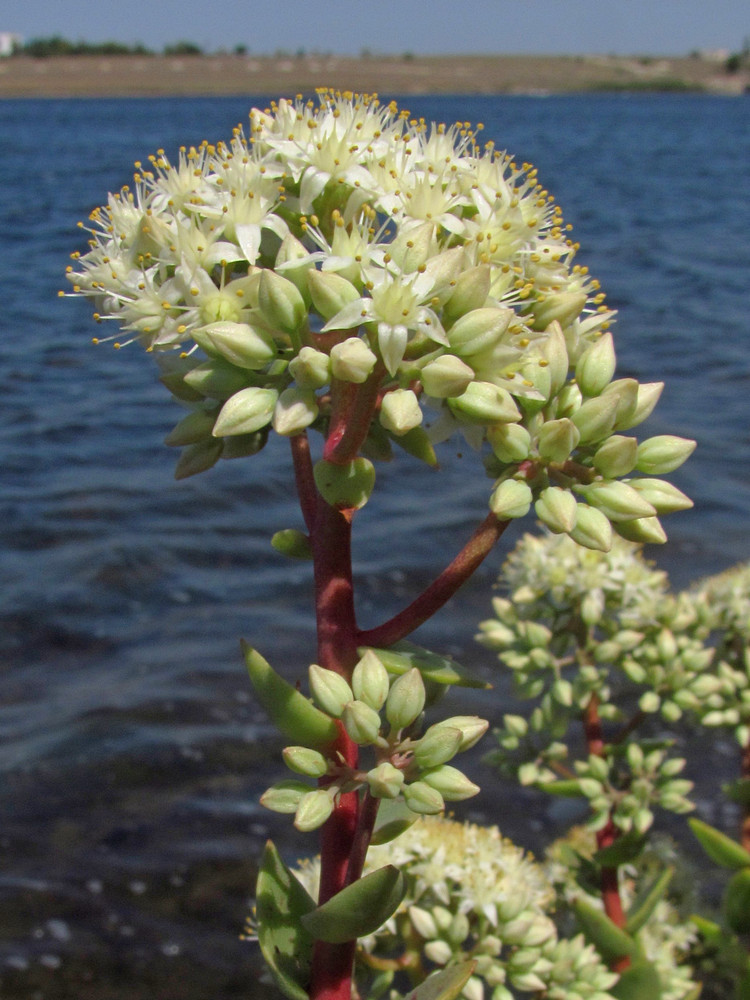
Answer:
(56, 45)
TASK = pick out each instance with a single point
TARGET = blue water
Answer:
(130, 749)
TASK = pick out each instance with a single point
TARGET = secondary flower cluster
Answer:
(344, 265)
(408, 766)
(577, 626)
(470, 893)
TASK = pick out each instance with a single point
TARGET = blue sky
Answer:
(655, 27)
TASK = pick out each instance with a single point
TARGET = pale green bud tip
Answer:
(421, 798)
(665, 453)
(284, 796)
(370, 681)
(617, 500)
(330, 292)
(509, 442)
(616, 457)
(512, 498)
(246, 411)
(296, 408)
(470, 292)
(485, 403)
(446, 376)
(361, 722)
(194, 427)
(471, 727)
(329, 690)
(424, 922)
(385, 781)
(452, 784)
(437, 746)
(238, 343)
(400, 411)
(596, 366)
(592, 529)
(405, 700)
(479, 330)
(303, 760)
(313, 810)
(352, 360)
(557, 508)
(310, 368)
(281, 302)
(557, 438)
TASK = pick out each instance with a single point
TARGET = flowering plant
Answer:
(348, 270)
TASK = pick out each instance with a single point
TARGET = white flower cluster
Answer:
(473, 893)
(345, 250)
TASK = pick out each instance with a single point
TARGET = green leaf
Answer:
(294, 715)
(609, 940)
(570, 788)
(417, 443)
(345, 487)
(404, 656)
(640, 981)
(737, 902)
(709, 930)
(738, 791)
(285, 943)
(444, 985)
(645, 904)
(358, 909)
(626, 848)
(720, 848)
(743, 986)
(394, 817)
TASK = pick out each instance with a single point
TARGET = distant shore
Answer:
(194, 76)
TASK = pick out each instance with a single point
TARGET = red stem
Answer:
(303, 477)
(441, 589)
(352, 409)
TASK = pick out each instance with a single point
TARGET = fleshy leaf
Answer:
(404, 656)
(720, 848)
(568, 788)
(737, 902)
(644, 906)
(417, 443)
(359, 909)
(444, 985)
(288, 708)
(638, 982)
(624, 849)
(286, 945)
(394, 817)
(609, 940)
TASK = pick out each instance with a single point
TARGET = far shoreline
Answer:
(126, 76)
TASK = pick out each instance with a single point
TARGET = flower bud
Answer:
(293, 261)
(216, 378)
(452, 784)
(470, 292)
(330, 292)
(198, 457)
(485, 403)
(437, 746)
(557, 508)
(560, 307)
(284, 796)
(471, 727)
(310, 368)
(423, 922)
(616, 457)
(370, 681)
(361, 722)
(569, 399)
(512, 498)
(592, 529)
(554, 351)
(647, 397)
(313, 810)
(557, 438)
(645, 530)
(420, 798)
(194, 427)
(479, 330)
(664, 453)
(385, 781)
(329, 690)
(304, 760)
(352, 360)
(617, 500)
(592, 606)
(296, 408)
(510, 442)
(238, 343)
(400, 411)
(446, 376)
(291, 542)
(246, 411)
(346, 487)
(596, 366)
(281, 302)
(663, 496)
(595, 418)
(405, 700)
(438, 951)
(625, 391)
(412, 248)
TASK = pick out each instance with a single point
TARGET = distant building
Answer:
(9, 42)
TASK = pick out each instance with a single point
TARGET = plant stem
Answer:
(745, 774)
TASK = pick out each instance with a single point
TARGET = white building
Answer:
(8, 42)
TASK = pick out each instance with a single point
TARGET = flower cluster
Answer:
(408, 765)
(346, 265)
(578, 629)
(473, 894)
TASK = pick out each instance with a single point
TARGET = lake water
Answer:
(131, 751)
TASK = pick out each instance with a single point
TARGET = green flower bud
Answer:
(370, 681)
(385, 781)
(592, 606)
(246, 411)
(437, 746)
(569, 399)
(197, 458)
(239, 343)
(647, 397)
(400, 411)
(557, 438)
(420, 798)
(304, 760)
(294, 261)
(330, 292)
(313, 810)
(625, 391)
(596, 366)
(557, 508)
(291, 542)
(595, 418)
(281, 302)
(216, 378)
(617, 500)
(361, 722)
(438, 951)
(346, 487)
(284, 796)
(311, 368)
(412, 249)
(423, 922)
(452, 784)
(329, 690)
(510, 442)
(645, 530)
(649, 702)
(559, 307)
(592, 529)
(352, 360)
(485, 403)
(470, 292)
(555, 352)
(616, 457)
(471, 727)
(562, 692)
(194, 427)
(479, 330)
(665, 453)
(664, 497)
(446, 376)
(405, 700)
(458, 930)
(296, 408)
(512, 498)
